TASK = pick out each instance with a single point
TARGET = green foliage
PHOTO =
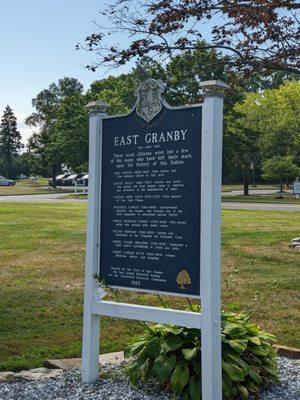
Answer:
(274, 114)
(117, 91)
(10, 144)
(241, 145)
(71, 132)
(265, 124)
(280, 168)
(46, 142)
(171, 356)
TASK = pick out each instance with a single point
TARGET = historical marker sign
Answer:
(150, 222)
(147, 214)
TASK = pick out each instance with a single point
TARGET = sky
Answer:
(37, 47)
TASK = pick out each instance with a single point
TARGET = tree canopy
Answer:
(251, 35)
(275, 113)
(258, 125)
(279, 168)
(45, 142)
(10, 143)
(263, 126)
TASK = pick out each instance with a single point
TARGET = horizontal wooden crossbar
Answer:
(188, 319)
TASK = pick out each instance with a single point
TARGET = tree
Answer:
(262, 126)
(252, 35)
(279, 169)
(72, 133)
(278, 120)
(32, 164)
(241, 145)
(118, 91)
(183, 278)
(45, 142)
(71, 127)
(182, 75)
(10, 143)
(146, 68)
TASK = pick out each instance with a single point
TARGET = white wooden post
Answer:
(91, 322)
(211, 177)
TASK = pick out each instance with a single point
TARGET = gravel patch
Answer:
(289, 388)
(114, 385)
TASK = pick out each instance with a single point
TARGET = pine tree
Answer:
(10, 143)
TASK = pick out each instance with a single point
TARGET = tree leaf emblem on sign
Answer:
(149, 98)
(183, 278)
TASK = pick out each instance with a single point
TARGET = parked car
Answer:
(58, 179)
(70, 180)
(84, 180)
(6, 182)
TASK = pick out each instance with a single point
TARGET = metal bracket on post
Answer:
(91, 322)
(210, 259)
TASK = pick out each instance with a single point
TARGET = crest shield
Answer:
(149, 98)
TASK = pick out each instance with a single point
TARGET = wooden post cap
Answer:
(97, 107)
(214, 88)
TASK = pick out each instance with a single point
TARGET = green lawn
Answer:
(42, 264)
(30, 186)
(271, 199)
(260, 186)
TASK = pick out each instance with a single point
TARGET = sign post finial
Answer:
(214, 88)
(97, 107)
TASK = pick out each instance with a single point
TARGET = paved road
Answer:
(56, 197)
(253, 192)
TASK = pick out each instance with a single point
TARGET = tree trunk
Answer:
(281, 186)
(246, 185)
(54, 176)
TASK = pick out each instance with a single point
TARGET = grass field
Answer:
(29, 186)
(287, 199)
(41, 281)
(260, 186)
(40, 186)
(238, 199)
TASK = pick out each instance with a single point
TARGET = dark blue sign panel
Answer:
(150, 202)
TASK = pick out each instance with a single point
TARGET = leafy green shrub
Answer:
(171, 355)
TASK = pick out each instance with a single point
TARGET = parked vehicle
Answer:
(58, 179)
(70, 180)
(84, 180)
(6, 182)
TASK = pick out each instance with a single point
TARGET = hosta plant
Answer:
(171, 356)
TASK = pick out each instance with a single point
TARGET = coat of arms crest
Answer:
(149, 98)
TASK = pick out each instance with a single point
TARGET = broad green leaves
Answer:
(172, 356)
(188, 354)
(233, 372)
(163, 366)
(180, 378)
(194, 387)
(171, 343)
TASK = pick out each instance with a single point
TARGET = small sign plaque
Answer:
(150, 207)
(296, 187)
